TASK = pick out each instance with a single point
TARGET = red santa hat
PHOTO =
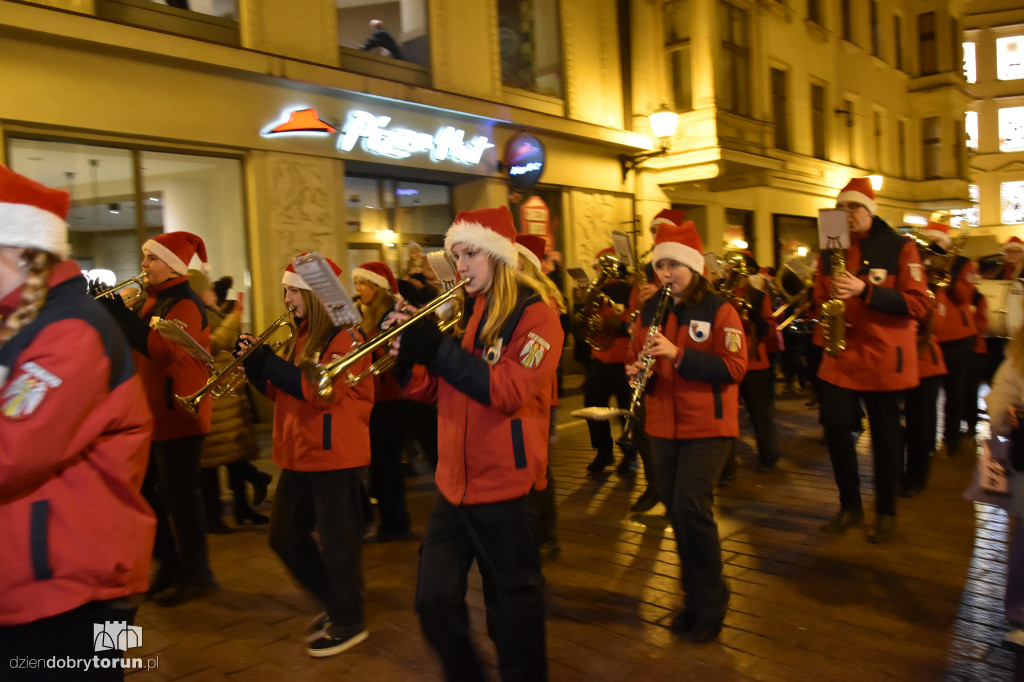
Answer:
(531, 247)
(33, 216)
(377, 273)
(489, 229)
(597, 256)
(291, 278)
(177, 249)
(671, 216)
(858, 191)
(938, 233)
(681, 243)
(1013, 242)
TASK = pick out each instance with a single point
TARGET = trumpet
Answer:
(227, 379)
(324, 374)
(137, 279)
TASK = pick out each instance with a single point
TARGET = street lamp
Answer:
(663, 123)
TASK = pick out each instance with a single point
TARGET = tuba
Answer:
(833, 311)
(589, 318)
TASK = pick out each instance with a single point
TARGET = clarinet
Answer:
(639, 382)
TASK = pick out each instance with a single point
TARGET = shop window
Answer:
(739, 230)
(970, 63)
(211, 20)
(393, 211)
(676, 21)
(818, 120)
(1010, 58)
(531, 52)
(968, 217)
(1011, 202)
(780, 108)
(734, 75)
(1011, 129)
(931, 145)
(114, 210)
(971, 129)
(395, 30)
(927, 47)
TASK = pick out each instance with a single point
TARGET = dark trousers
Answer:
(387, 475)
(421, 420)
(758, 397)
(957, 355)
(687, 473)
(239, 473)
(172, 488)
(921, 417)
(328, 502)
(996, 346)
(794, 357)
(839, 407)
(502, 539)
(547, 512)
(979, 363)
(604, 379)
(66, 636)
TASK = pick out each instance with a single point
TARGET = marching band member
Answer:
(955, 330)
(493, 392)
(921, 408)
(692, 406)
(884, 293)
(376, 289)
(172, 484)
(320, 448)
(74, 440)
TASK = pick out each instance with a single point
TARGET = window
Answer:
(225, 9)
(931, 145)
(851, 137)
(531, 54)
(901, 146)
(676, 21)
(1010, 58)
(814, 12)
(734, 74)
(876, 30)
(878, 141)
(927, 46)
(971, 129)
(967, 217)
(818, 120)
(780, 109)
(970, 63)
(1011, 129)
(401, 34)
(1011, 202)
(897, 42)
(379, 205)
(955, 43)
(847, 20)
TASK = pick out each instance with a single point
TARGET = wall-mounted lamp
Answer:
(876, 182)
(663, 123)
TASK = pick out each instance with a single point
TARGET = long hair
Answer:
(33, 294)
(377, 308)
(1015, 350)
(695, 292)
(549, 287)
(319, 327)
(503, 295)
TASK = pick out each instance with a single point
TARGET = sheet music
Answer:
(443, 267)
(833, 229)
(623, 247)
(315, 271)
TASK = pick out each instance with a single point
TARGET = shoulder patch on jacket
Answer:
(24, 394)
(533, 351)
(733, 339)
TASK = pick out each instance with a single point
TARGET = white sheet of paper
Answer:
(833, 229)
(623, 247)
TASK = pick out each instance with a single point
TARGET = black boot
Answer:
(246, 514)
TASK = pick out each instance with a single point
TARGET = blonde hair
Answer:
(376, 309)
(549, 287)
(33, 294)
(503, 296)
(318, 324)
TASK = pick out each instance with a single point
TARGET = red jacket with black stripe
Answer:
(492, 423)
(74, 445)
(954, 305)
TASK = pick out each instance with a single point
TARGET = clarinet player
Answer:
(692, 407)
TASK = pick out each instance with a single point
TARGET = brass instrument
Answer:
(794, 284)
(939, 266)
(589, 318)
(833, 311)
(639, 383)
(324, 374)
(137, 279)
(229, 378)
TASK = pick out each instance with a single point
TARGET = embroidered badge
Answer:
(533, 351)
(915, 271)
(25, 393)
(493, 354)
(878, 275)
(733, 339)
(700, 331)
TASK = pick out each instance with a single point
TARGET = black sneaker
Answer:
(317, 628)
(329, 645)
(600, 461)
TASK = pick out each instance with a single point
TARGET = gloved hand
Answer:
(254, 366)
(419, 343)
(131, 324)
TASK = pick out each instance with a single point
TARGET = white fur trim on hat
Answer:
(941, 238)
(292, 279)
(691, 258)
(30, 227)
(858, 198)
(373, 277)
(528, 255)
(475, 234)
(166, 255)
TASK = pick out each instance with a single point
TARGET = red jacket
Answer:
(980, 321)
(881, 329)
(699, 398)
(492, 425)
(616, 318)
(385, 386)
(954, 314)
(74, 445)
(166, 368)
(760, 330)
(311, 434)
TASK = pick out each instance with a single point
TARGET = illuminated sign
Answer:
(524, 159)
(376, 135)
